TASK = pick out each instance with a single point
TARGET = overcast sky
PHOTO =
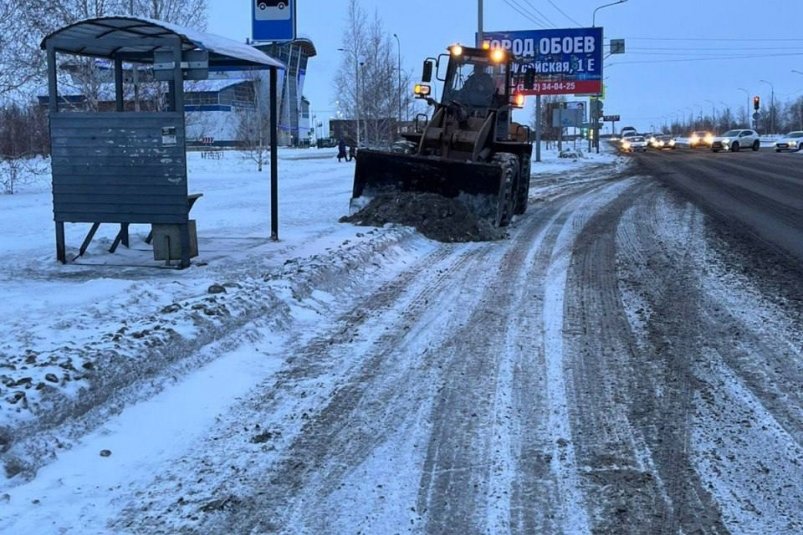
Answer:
(682, 55)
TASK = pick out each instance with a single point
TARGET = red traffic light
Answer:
(756, 102)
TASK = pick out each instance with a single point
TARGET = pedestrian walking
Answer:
(341, 150)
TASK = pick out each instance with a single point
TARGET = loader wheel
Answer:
(506, 197)
(523, 186)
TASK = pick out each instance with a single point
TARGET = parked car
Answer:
(634, 143)
(792, 141)
(701, 138)
(662, 142)
(734, 140)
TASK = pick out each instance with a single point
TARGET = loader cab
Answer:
(477, 79)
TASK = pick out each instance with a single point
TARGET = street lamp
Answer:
(356, 90)
(400, 80)
(713, 112)
(746, 92)
(722, 115)
(594, 16)
(801, 105)
(772, 105)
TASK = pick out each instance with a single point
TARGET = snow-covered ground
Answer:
(102, 330)
(320, 380)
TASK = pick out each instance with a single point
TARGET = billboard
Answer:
(556, 61)
(273, 20)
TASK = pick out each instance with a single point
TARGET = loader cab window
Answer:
(476, 83)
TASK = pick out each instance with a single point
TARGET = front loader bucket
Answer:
(474, 183)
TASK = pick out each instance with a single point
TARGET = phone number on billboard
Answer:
(554, 86)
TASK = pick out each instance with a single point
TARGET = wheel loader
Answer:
(468, 149)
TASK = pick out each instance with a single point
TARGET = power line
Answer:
(535, 9)
(746, 40)
(689, 60)
(564, 14)
(522, 11)
(704, 49)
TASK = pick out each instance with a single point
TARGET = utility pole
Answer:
(479, 23)
(772, 105)
(398, 42)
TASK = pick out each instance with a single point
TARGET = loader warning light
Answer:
(421, 90)
(498, 55)
(518, 100)
(456, 50)
(486, 45)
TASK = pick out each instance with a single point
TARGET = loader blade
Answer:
(474, 183)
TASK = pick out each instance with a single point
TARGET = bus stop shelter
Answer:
(126, 166)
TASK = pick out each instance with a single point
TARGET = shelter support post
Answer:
(122, 236)
(274, 159)
(52, 80)
(61, 252)
(184, 236)
(118, 84)
(88, 239)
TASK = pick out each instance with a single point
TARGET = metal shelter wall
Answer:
(119, 167)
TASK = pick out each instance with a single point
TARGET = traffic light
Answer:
(596, 108)
(756, 102)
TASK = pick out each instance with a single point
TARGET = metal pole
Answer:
(537, 128)
(274, 157)
(398, 42)
(594, 15)
(747, 93)
(772, 105)
(479, 23)
(357, 91)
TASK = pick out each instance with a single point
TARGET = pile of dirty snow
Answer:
(435, 216)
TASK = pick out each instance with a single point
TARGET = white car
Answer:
(634, 143)
(791, 141)
(734, 140)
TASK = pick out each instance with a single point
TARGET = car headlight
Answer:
(695, 139)
(671, 142)
(709, 139)
(625, 145)
(726, 141)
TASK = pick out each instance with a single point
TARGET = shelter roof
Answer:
(135, 39)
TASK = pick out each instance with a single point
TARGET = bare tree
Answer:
(190, 13)
(20, 60)
(367, 79)
(253, 125)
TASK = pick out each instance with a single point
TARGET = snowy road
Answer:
(615, 366)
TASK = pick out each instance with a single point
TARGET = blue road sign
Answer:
(557, 62)
(273, 20)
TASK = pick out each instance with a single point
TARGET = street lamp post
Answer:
(747, 93)
(801, 105)
(593, 25)
(362, 94)
(356, 91)
(398, 42)
(713, 113)
(594, 16)
(772, 105)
